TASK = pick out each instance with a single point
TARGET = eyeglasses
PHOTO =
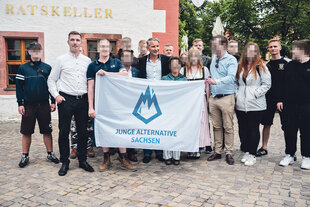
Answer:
(217, 63)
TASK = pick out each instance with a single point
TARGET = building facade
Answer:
(49, 23)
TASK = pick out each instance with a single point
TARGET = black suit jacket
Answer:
(164, 65)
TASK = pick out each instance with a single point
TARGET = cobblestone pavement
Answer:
(193, 183)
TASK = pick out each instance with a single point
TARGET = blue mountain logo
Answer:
(147, 108)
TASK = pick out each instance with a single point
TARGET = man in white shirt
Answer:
(68, 85)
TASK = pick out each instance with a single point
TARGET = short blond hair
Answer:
(168, 45)
(274, 40)
(197, 40)
(126, 39)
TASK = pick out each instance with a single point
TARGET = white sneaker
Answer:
(287, 160)
(305, 163)
(250, 161)
(245, 157)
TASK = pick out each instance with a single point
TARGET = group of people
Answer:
(244, 86)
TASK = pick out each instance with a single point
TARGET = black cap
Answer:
(34, 46)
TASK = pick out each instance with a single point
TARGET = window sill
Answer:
(9, 89)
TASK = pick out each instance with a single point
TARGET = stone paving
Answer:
(193, 183)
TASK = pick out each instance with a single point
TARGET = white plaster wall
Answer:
(133, 18)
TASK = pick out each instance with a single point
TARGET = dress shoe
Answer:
(84, 165)
(146, 159)
(229, 159)
(214, 156)
(63, 169)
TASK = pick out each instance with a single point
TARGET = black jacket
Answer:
(119, 54)
(164, 65)
(31, 83)
(296, 83)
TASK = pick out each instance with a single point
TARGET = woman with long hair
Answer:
(253, 80)
(193, 71)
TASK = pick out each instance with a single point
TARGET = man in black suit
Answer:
(153, 67)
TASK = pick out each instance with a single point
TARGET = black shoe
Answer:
(160, 157)
(229, 159)
(261, 152)
(208, 149)
(63, 169)
(24, 161)
(132, 157)
(84, 165)
(146, 159)
(51, 157)
(214, 156)
(168, 162)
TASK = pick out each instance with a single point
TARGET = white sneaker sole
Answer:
(286, 165)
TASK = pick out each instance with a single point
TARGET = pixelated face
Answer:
(127, 58)
(103, 48)
(74, 43)
(153, 48)
(168, 50)
(232, 48)
(36, 55)
(199, 45)
(274, 48)
(142, 49)
(126, 45)
(175, 66)
(297, 53)
(216, 46)
(194, 58)
(251, 53)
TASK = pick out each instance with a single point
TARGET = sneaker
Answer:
(261, 152)
(287, 160)
(73, 153)
(24, 161)
(305, 163)
(250, 161)
(90, 152)
(196, 155)
(51, 157)
(245, 157)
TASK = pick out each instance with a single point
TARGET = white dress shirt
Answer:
(153, 69)
(69, 75)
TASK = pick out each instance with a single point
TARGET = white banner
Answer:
(148, 114)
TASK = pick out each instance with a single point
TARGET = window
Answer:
(92, 49)
(17, 55)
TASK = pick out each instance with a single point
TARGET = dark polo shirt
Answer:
(112, 65)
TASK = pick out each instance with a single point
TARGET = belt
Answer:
(221, 95)
(75, 97)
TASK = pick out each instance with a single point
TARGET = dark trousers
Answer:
(68, 108)
(249, 130)
(298, 118)
(148, 152)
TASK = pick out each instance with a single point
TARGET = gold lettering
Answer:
(85, 12)
(76, 15)
(9, 7)
(54, 11)
(67, 11)
(97, 12)
(32, 8)
(44, 10)
(21, 8)
(108, 12)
